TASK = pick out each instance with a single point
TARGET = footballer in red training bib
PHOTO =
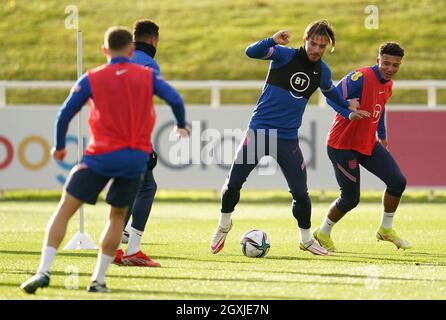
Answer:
(361, 135)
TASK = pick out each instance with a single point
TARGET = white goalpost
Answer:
(81, 240)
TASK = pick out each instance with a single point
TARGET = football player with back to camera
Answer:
(146, 38)
(121, 120)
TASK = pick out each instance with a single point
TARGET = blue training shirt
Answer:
(113, 164)
(142, 58)
(276, 108)
(351, 87)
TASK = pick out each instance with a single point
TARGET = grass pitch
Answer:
(178, 237)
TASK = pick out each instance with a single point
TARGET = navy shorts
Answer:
(85, 185)
(380, 163)
(287, 153)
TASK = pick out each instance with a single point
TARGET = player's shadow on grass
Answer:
(335, 275)
(235, 280)
(153, 244)
(405, 252)
(338, 256)
(355, 276)
(170, 278)
(15, 285)
(63, 254)
(53, 273)
(185, 295)
(205, 296)
(191, 258)
(187, 278)
(427, 254)
(389, 258)
(195, 278)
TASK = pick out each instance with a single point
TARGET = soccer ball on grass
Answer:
(255, 243)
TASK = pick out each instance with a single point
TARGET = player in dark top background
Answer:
(121, 123)
(352, 142)
(293, 76)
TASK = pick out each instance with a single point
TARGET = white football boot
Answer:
(314, 247)
(218, 238)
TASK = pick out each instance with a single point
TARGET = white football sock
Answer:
(46, 260)
(305, 235)
(128, 226)
(102, 265)
(134, 244)
(387, 220)
(327, 225)
(225, 220)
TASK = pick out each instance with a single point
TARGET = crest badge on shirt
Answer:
(352, 164)
(377, 113)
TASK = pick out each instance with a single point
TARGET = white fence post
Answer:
(215, 95)
(431, 97)
(2, 95)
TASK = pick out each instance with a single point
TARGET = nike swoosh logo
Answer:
(315, 72)
(119, 72)
(381, 92)
(216, 245)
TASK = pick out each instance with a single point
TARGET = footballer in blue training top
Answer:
(293, 76)
(146, 38)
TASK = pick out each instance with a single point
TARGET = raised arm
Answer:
(270, 49)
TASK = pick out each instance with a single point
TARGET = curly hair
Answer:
(321, 28)
(391, 48)
(145, 29)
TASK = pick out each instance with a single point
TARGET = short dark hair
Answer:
(117, 38)
(391, 48)
(144, 29)
(320, 28)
